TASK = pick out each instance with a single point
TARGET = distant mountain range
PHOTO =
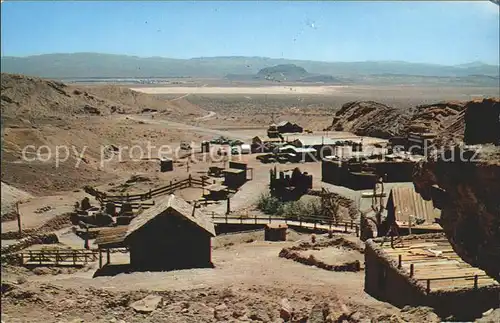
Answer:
(90, 65)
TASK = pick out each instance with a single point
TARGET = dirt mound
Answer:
(10, 196)
(369, 118)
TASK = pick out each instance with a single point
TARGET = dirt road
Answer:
(183, 126)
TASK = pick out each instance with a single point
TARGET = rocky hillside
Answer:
(447, 119)
(369, 118)
(465, 184)
(36, 99)
(435, 117)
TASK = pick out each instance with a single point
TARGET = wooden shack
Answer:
(234, 178)
(166, 165)
(170, 235)
(404, 202)
(275, 232)
(289, 127)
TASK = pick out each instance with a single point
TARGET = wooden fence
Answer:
(167, 189)
(56, 257)
(473, 278)
(309, 222)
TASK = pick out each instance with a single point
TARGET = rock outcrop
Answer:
(369, 118)
(464, 181)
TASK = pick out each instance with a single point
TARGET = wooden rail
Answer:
(74, 257)
(310, 222)
(103, 197)
(428, 281)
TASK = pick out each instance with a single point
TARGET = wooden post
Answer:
(86, 244)
(108, 257)
(100, 258)
(74, 258)
(189, 179)
(412, 270)
(352, 224)
(19, 221)
(400, 261)
(357, 231)
(475, 281)
(314, 225)
(228, 209)
(346, 227)
(40, 257)
(57, 257)
(269, 218)
(428, 286)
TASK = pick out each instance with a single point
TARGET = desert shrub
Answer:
(270, 204)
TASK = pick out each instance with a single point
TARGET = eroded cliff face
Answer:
(465, 183)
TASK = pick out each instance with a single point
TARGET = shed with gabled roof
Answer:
(170, 235)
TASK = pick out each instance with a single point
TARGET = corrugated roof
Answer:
(171, 206)
(111, 236)
(408, 202)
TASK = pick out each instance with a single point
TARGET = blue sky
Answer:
(431, 32)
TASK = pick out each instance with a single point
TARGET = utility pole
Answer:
(19, 220)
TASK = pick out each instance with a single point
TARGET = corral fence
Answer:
(170, 188)
(56, 257)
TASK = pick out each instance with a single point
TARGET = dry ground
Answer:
(251, 271)
(258, 276)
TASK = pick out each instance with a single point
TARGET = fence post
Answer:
(100, 258)
(269, 218)
(428, 286)
(346, 227)
(475, 281)
(57, 257)
(189, 180)
(41, 257)
(108, 257)
(400, 261)
(315, 225)
(357, 231)
(412, 270)
(352, 224)
(74, 258)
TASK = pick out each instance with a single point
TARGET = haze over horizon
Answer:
(445, 33)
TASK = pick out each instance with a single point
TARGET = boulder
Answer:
(147, 304)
